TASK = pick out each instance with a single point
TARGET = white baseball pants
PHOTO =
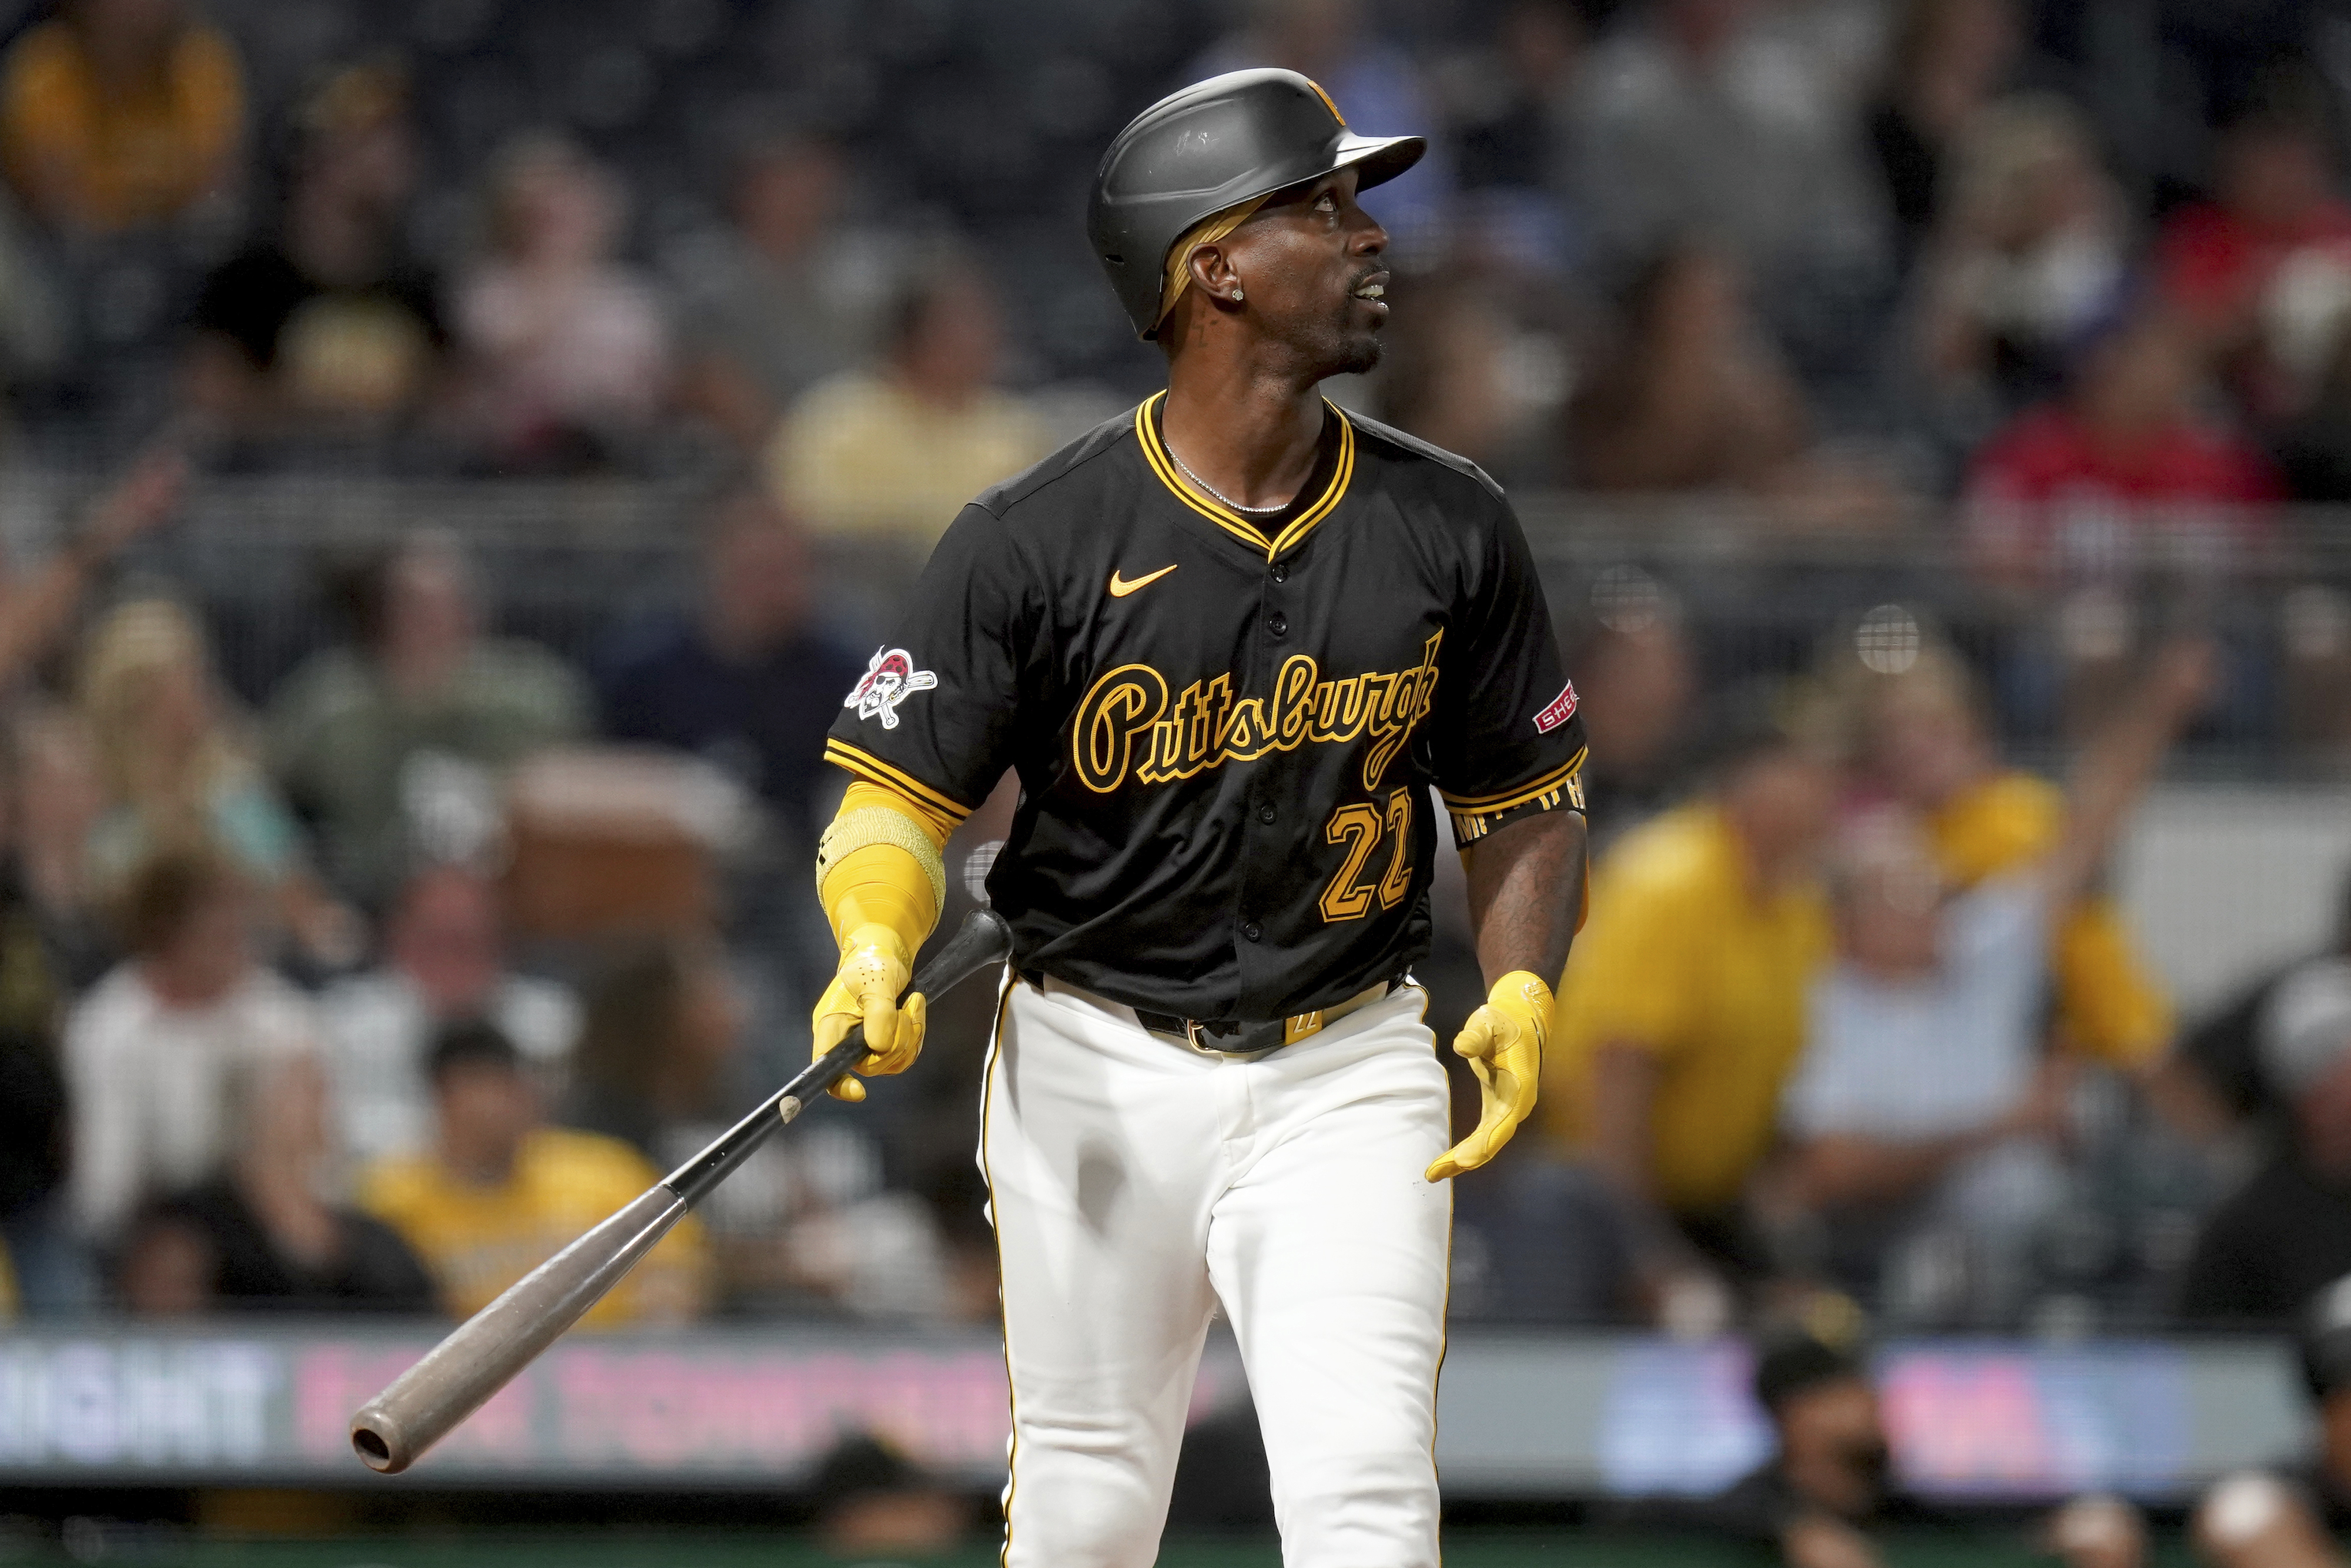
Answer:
(1134, 1182)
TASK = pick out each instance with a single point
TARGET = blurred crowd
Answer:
(367, 983)
(2072, 269)
(371, 998)
(1853, 1034)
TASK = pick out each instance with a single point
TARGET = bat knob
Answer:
(379, 1442)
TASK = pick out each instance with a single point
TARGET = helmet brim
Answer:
(1377, 159)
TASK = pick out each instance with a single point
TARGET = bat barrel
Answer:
(392, 1430)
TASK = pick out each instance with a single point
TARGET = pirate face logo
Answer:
(890, 679)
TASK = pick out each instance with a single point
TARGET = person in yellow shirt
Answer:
(1682, 1009)
(894, 453)
(1923, 740)
(501, 1193)
(120, 114)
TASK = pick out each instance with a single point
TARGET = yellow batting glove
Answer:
(875, 968)
(1503, 1041)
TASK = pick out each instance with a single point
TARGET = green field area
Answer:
(694, 1549)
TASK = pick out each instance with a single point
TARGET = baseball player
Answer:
(1228, 641)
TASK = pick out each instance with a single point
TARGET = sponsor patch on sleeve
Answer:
(1560, 709)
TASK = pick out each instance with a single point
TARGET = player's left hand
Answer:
(875, 968)
(1503, 1043)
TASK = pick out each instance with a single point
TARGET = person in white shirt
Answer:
(445, 962)
(151, 1050)
(1924, 1122)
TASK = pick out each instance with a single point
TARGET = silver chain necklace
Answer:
(1219, 495)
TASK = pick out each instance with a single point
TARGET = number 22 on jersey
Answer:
(1358, 825)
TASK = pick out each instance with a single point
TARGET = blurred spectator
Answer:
(444, 963)
(747, 681)
(1462, 372)
(1947, 58)
(36, 614)
(1638, 675)
(33, 1128)
(164, 1267)
(57, 803)
(1693, 396)
(1927, 743)
(809, 1224)
(1926, 1122)
(331, 323)
(178, 774)
(2222, 1055)
(1682, 1010)
(662, 1027)
(2287, 1231)
(120, 114)
(271, 1240)
(1696, 117)
(501, 1193)
(2262, 273)
(1830, 1480)
(1373, 84)
(152, 1052)
(390, 743)
(49, 951)
(763, 311)
(2293, 1515)
(2314, 451)
(568, 348)
(871, 1502)
(2030, 247)
(2068, 483)
(896, 452)
(1509, 102)
(805, 1225)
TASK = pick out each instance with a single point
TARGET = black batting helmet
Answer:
(1214, 145)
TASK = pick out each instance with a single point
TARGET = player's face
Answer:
(1311, 264)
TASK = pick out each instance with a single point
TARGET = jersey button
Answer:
(1252, 930)
(1277, 623)
(1280, 573)
(1265, 812)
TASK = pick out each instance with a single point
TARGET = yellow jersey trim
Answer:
(1155, 453)
(874, 770)
(1518, 795)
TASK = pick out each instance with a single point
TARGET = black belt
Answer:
(1232, 1037)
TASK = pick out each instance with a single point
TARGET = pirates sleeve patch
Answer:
(890, 679)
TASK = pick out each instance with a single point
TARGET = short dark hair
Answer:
(164, 893)
(1794, 1362)
(1759, 716)
(470, 1042)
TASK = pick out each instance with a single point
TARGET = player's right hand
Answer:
(875, 968)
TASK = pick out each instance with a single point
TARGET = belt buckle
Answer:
(1196, 1038)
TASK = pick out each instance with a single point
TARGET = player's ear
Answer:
(1213, 274)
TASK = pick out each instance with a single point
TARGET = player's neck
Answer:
(1252, 437)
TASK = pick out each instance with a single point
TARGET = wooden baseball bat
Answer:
(392, 1430)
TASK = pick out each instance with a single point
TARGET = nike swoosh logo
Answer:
(1121, 587)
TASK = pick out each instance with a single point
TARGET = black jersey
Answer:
(1225, 729)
